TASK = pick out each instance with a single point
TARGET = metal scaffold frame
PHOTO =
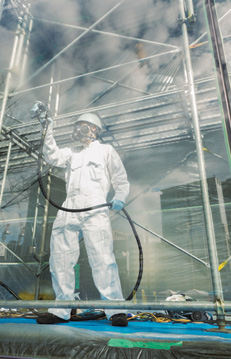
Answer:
(163, 98)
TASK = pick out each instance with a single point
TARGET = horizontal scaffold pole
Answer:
(115, 304)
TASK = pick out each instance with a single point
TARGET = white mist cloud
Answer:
(6, 43)
(67, 11)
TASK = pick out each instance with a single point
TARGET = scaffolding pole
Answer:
(14, 61)
(5, 171)
(26, 47)
(46, 209)
(1, 8)
(114, 304)
(222, 74)
(9, 74)
(212, 249)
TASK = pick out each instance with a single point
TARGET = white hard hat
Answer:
(90, 118)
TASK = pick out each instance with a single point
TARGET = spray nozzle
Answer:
(38, 109)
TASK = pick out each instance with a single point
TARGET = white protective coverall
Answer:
(89, 171)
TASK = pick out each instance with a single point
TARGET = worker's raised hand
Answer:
(117, 205)
(41, 112)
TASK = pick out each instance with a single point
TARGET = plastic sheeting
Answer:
(126, 61)
(98, 339)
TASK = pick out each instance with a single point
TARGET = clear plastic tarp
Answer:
(148, 69)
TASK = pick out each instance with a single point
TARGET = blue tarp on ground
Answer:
(141, 329)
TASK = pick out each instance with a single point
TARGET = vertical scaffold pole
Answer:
(2, 2)
(15, 59)
(212, 249)
(222, 73)
(5, 171)
(28, 21)
(46, 205)
(14, 56)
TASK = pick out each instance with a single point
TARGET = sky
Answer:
(55, 27)
(104, 35)
(105, 43)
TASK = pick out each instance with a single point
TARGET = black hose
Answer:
(10, 290)
(75, 210)
(34, 311)
(40, 164)
(140, 255)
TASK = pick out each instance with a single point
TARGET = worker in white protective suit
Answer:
(90, 169)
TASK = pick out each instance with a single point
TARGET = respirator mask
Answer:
(81, 131)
